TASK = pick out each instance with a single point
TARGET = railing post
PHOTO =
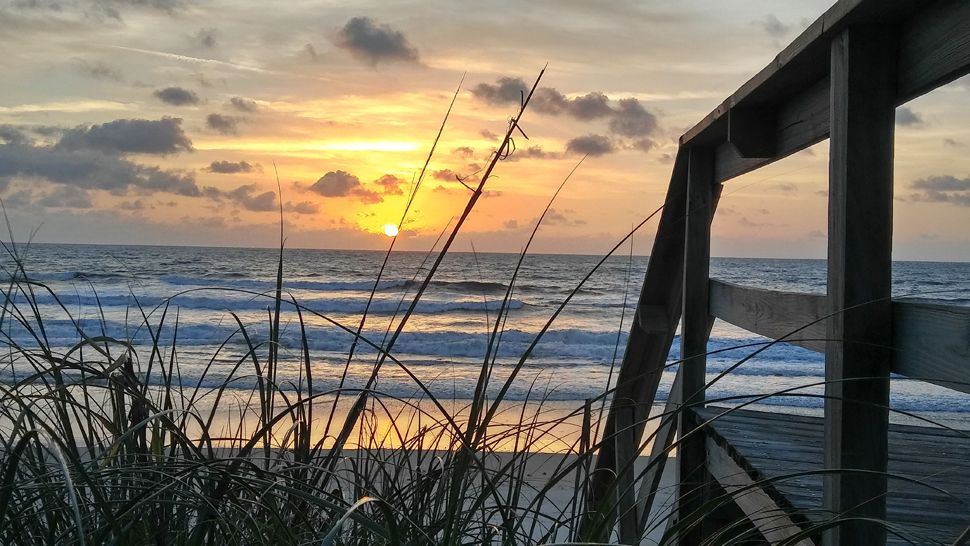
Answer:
(857, 356)
(695, 329)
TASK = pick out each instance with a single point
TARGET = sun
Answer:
(390, 230)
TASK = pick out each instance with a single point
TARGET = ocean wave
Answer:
(238, 302)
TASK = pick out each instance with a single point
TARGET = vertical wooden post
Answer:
(694, 332)
(857, 355)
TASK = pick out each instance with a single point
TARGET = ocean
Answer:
(195, 296)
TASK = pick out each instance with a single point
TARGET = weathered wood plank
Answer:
(932, 342)
(659, 452)
(771, 520)
(773, 314)
(926, 500)
(647, 347)
(701, 193)
(934, 48)
(857, 356)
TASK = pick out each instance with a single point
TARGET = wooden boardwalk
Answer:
(928, 498)
(842, 80)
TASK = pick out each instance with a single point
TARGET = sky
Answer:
(168, 121)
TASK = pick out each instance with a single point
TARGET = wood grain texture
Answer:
(859, 333)
(796, 318)
(695, 331)
(771, 520)
(928, 489)
(932, 342)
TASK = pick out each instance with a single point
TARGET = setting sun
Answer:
(390, 230)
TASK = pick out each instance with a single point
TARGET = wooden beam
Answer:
(771, 520)
(646, 351)
(659, 452)
(695, 330)
(753, 132)
(932, 342)
(859, 282)
(771, 313)
(933, 49)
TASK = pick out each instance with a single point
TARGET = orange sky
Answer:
(160, 122)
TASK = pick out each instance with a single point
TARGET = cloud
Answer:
(68, 197)
(229, 167)
(87, 168)
(555, 217)
(628, 118)
(226, 125)
(375, 43)
(303, 207)
(176, 96)
(773, 26)
(504, 91)
(206, 37)
(243, 105)
(631, 119)
(907, 118)
(343, 184)
(942, 189)
(942, 183)
(463, 151)
(136, 136)
(511, 224)
(97, 70)
(952, 143)
(594, 145)
(784, 187)
(391, 184)
(250, 198)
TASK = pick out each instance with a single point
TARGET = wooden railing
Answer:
(840, 79)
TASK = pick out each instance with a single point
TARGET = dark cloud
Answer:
(219, 123)
(593, 145)
(176, 96)
(784, 187)
(555, 217)
(952, 143)
(773, 26)
(135, 136)
(243, 105)
(488, 134)
(504, 91)
(97, 70)
(344, 184)
(590, 106)
(375, 43)
(942, 183)
(230, 167)
(250, 198)
(511, 224)
(206, 37)
(303, 207)
(533, 152)
(942, 189)
(90, 169)
(631, 119)
(392, 184)
(627, 118)
(907, 118)
(463, 151)
(12, 135)
(68, 197)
